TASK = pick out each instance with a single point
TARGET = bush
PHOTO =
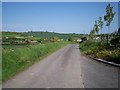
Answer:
(109, 55)
(101, 50)
(40, 40)
(83, 39)
(70, 39)
(115, 41)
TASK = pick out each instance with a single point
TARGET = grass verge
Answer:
(17, 59)
(101, 50)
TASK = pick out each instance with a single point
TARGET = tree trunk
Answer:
(101, 33)
(109, 31)
(108, 35)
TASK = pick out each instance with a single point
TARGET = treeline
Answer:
(52, 34)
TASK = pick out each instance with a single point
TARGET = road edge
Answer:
(104, 61)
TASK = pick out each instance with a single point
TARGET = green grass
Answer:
(17, 59)
(101, 50)
(89, 46)
(0, 65)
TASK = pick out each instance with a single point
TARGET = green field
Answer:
(16, 58)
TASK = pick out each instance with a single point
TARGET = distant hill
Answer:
(52, 34)
(42, 34)
(10, 34)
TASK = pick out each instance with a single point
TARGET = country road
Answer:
(66, 68)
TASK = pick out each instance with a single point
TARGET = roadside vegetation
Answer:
(20, 50)
(15, 59)
(101, 50)
(104, 46)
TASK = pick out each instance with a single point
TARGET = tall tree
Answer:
(118, 33)
(96, 28)
(109, 16)
(92, 33)
(100, 24)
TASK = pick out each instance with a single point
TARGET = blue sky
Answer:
(63, 17)
(0, 11)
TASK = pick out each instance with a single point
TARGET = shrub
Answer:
(70, 39)
(110, 55)
(101, 50)
(84, 39)
(115, 41)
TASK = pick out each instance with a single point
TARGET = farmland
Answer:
(34, 37)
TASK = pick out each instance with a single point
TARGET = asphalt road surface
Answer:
(66, 68)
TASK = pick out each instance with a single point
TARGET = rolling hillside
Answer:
(41, 34)
(52, 34)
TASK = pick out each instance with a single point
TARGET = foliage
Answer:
(115, 41)
(55, 39)
(118, 32)
(100, 24)
(70, 39)
(89, 46)
(116, 38)
(92, 33)
(40, 40)
(83, 39)
(52, 34)
(109, 15)
(94, 30)
(15, 59)
(100, 50)
(110, 55)
(96, 27)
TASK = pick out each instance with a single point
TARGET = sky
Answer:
(0, 16)
(61, 17)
